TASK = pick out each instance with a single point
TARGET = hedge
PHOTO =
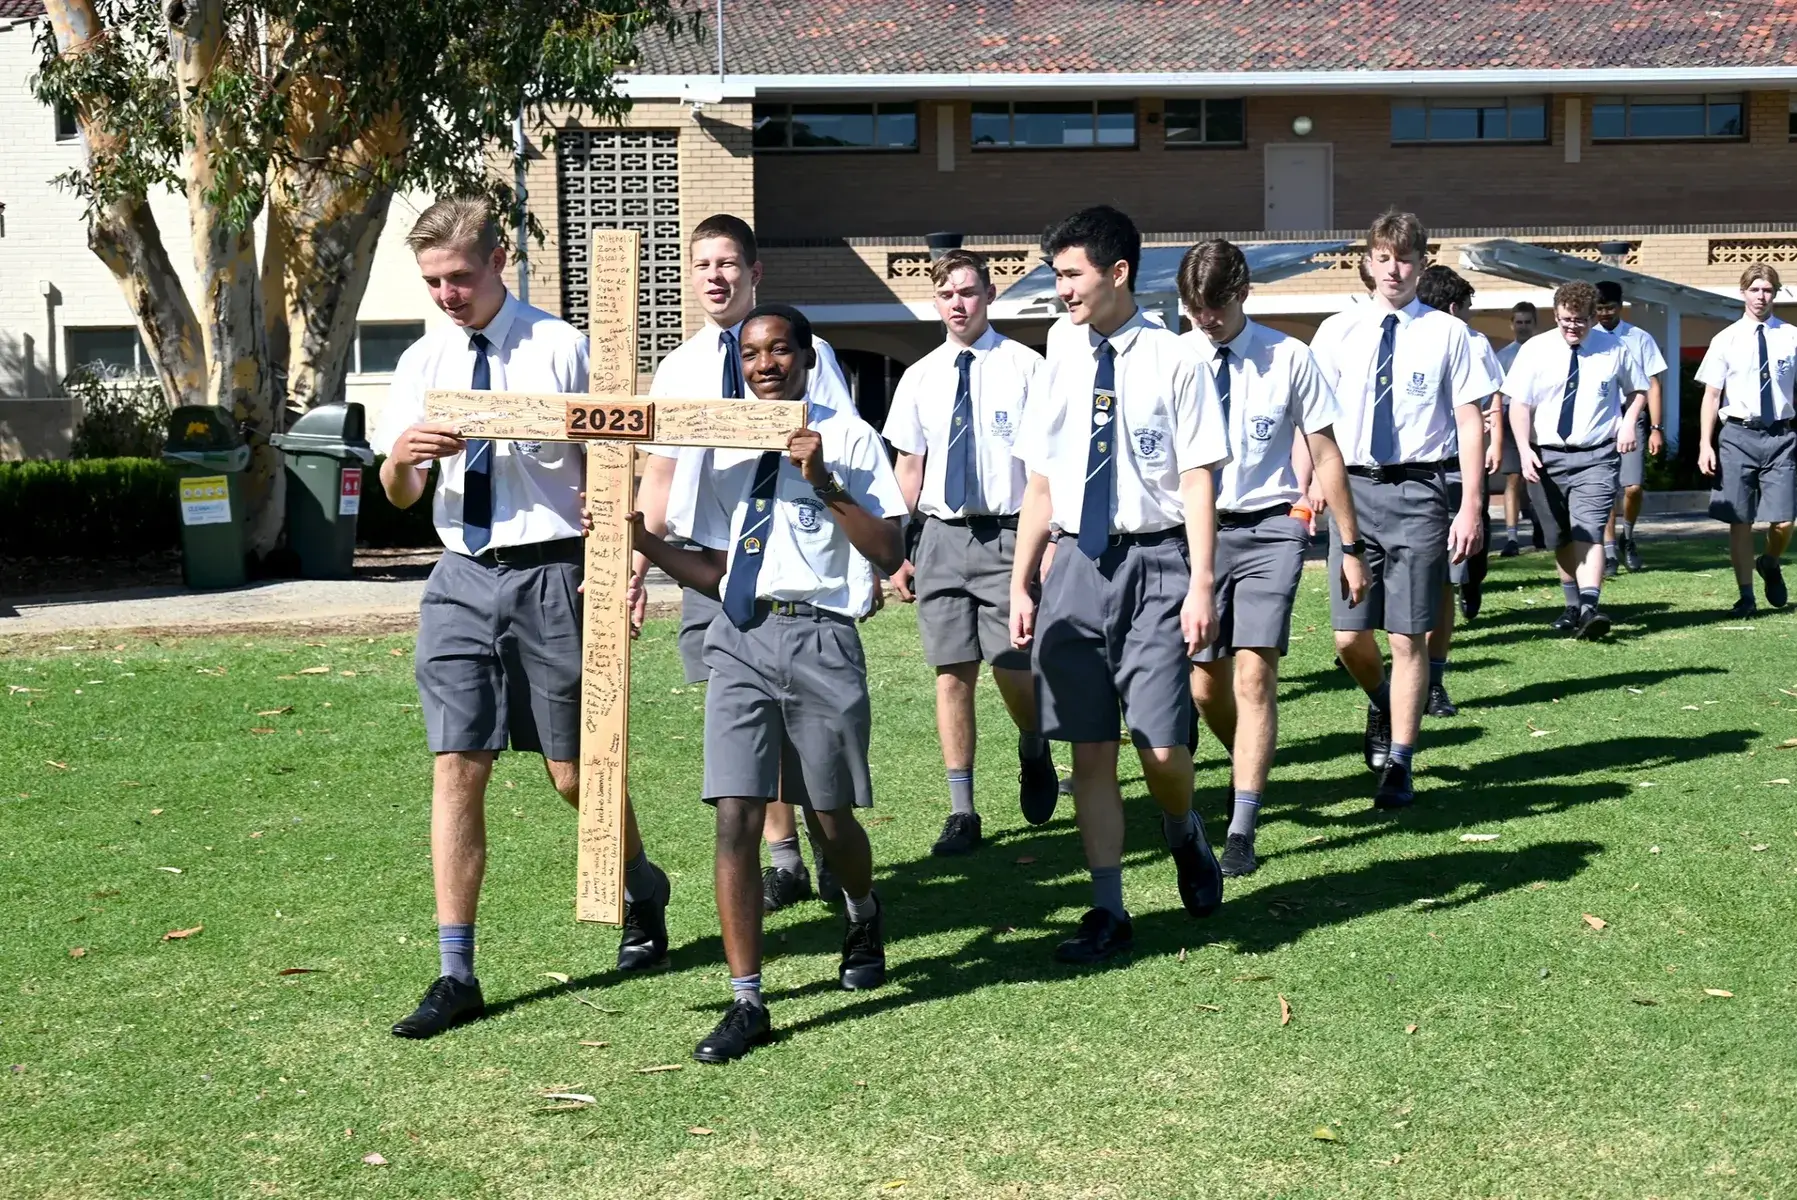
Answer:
(126, 507)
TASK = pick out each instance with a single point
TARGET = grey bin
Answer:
(209, 458)
(326, 455)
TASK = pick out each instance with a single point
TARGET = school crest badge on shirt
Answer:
(810, 514)
(1151, 444)
(1001, 425)
(1261, 428)
(1418, 385)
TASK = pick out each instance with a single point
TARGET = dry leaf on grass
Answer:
(349, 674)
(571, 1097)
(698, 1131)
(555, 975)
(1323, 1133)
(1690, 708)
(1410, 1029)
(275, 712)
(1594, 922)
(60, 766)
(300, 971)
(155, 812)
(1211, 1007)
(1478, 837)
(1776, 782)
(1285, 1011)
(893, 1185)
(170, 870)
(1645, 1001)
(314, 671)
(1182, 954)
(374, 1160)
(261, 729)
(594, 1045)
(78, 952)
(659, 1070)
(1787, 744)
(1719, 992)
(256, 834)
(175, 935)
(1024, 860)
(1759, 847)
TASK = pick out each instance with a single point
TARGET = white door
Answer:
(1300, 186)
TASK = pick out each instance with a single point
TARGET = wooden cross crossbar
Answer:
(609, 418)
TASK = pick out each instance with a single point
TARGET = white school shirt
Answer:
(806, 557)
(1507, 356)
(536, 485)
(1166, 419)
(1641, 344)
(1609, 377)
(1006, 379)
(1732, 363)
(1487, 359)
(1433, 373)
(1274, 390)
(694, 370)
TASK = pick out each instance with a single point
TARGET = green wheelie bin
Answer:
(209, 458)
(326, 455)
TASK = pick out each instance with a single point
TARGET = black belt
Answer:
(1173, 533)
(532, 554)
(1400, 472)
(1605, 445)
(1242, 520)
(979, 521)
(798, 608)
(1759, 425)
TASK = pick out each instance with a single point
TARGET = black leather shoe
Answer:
(1774, 579)
(1472, 598)
(1567, 621)
(1394, 787)
(1744, 608)
(1439, 704)
(782, 888)
(1200, 881)
(1631, 555)
(829, 892)
(1100, 936)
(1510, 550)
(447, 1003)
(1594, 623)
(960, 835)
(1238, 856)
(864, 952)
(1377, 742)
(645, 941)
(1611, 568)
(1038, 789)
(744, 1027)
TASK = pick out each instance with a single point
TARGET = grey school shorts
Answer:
(696, 613)
(1107, 634)
(1576, 493)
(1756, 478)
(1633, 471)
(963, 587)
(1405, 526)
(498, 657)
(787, 702)
(1258, 569)
(1509, 463)
(1473, 567)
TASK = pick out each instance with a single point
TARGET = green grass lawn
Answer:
(1458, 1027)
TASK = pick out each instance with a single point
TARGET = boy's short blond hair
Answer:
(457, 223)
(1757, 272)
(956, 260)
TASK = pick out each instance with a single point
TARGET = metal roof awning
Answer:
(1550, 268)
(1157, 276)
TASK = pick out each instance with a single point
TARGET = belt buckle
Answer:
(783, 608)
(1381, 473)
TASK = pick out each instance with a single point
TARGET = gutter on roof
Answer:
(744, 87)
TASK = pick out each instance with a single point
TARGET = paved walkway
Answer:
(388, 600)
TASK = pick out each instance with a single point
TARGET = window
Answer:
(1469, 119)
(379, 344)
(1721, 116)
(1061, 124)
(66, 128)
(1206, 123)
(811, 126)
(109, 351)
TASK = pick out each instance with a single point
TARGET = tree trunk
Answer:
(224, 250)
(125, 237)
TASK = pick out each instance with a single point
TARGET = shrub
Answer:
(95, 508)
(120, 418)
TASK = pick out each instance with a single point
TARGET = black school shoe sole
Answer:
(1774, 580)
(1101, 937)
(1593, 626)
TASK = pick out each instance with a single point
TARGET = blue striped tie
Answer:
(751, 543)
(1385, 433)
(733, 366)
(1768, 405)
(1569, 399)
(477, 466)
(1095, 509)
(1223, 398)
(960, 438)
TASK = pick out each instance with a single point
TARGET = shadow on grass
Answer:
(1546, 690)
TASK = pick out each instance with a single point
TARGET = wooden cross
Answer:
(608, 419)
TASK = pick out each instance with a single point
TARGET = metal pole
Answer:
(523, 195)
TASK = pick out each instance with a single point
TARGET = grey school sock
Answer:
(1401, 753)
(1244, 813)
(960, 791)
(1625, 530)
(1107, 891)
(1510, 532)
(1031, 745)
(862, 910)
(1179, 830)
(1588, 597)
(747, 987)
(1438, 670)
(1380, 697)
(455, 949)
(785, 855)
(1570, 589)
(1610, 550)
(643, 880)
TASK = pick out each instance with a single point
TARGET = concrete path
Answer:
(390, 601)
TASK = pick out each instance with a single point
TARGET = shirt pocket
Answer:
(1150, 441)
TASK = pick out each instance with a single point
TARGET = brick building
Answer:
(846, 132)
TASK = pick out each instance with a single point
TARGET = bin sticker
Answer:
(206, 500)
(349, 495)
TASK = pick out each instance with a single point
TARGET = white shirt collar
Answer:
(1240, 345)
(982, 345)
(500, 326)
(1123, 338)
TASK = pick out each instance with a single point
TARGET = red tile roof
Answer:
(779, 37)
(20, 9)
